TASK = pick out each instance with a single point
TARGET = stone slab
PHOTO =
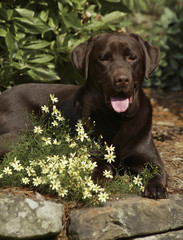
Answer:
(22, 218)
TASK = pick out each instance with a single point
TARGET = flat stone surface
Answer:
(175, 235)
(23, 218)
(131, 217)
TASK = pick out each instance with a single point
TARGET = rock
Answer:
(175, 235)
(22, 218)
(131, 217)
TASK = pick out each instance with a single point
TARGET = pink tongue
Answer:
(119, 104)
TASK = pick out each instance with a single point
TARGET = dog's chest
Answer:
(107, 125)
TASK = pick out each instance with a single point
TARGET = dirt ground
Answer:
(168, 134)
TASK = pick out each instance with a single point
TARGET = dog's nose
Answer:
(122, 79)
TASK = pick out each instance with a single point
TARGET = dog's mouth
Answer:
(119, 104)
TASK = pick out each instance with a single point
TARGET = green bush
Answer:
(37, 37)
(167, 34)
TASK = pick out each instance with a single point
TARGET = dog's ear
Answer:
(80, 56)
(151, 53)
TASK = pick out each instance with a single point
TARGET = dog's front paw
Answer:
(155, 190)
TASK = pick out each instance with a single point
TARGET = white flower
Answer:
(55, 185)
(25, 180)
(62, 192)
(55, 157)
(96, 188)
(107, 174)
(16, 165)
(30, 171)
(72, 145)
(33, 163)
(137, 180)
(130, 186)
(110, 157)
(64, 160)
(37, 181)
(54, 123)
(68, 138)
(38, 130)
(49, 158)
(52, 175)
(81, 134)
(79, 124)
(55, 111)
(103, 196)
(110, 149)
(142, 188)
(87, 193)
(18, 168)
(45, 170)
(45, 109)
(1, 175)
(60, 118)
(53, 98)
(47, 140)
(55, 142)
(7, 171)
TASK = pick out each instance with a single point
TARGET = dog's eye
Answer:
(104, 58)
(130, 58)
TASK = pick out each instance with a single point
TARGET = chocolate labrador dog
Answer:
(114, 66)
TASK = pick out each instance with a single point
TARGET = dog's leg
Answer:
(98, 172)
(155, 188)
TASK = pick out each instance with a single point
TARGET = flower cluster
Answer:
(54, 159)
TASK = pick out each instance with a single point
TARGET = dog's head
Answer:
(115, 65)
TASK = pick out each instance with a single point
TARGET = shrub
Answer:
(37, 37)
(55, 160)
(167, 34)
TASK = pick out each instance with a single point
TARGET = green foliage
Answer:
(168, 35)
(128, 183)
(37, 37)
(145, 6)
(52, 159)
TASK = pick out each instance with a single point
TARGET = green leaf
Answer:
(35, 27)
(44, 15)
(53, 22)
(43, 74)
(11, 44)
(72, 20)
(61, 39)
(9, 13)
(38, 45)
(113, 17)
(105, 21)
(3, 31)
(3, 14)
(29, 14)
(44, 58)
